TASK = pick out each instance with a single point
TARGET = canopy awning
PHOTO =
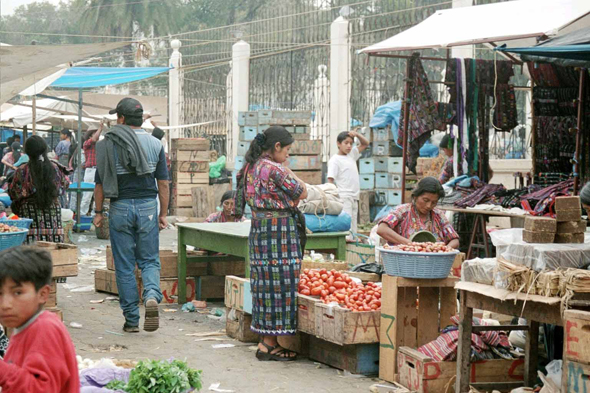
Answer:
(83, 77)
(20, 115)
(23, 66)
(516, 23)
(571, 49)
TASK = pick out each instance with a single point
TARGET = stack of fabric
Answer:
(484, 345)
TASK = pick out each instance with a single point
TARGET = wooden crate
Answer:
(304, 163)
(336, 265)
(457, 263)
(306, 148)
(298, 343)
(226, 268)
(169, 264)
(190, 177)
(410, 316)
(310, 177)
(364, 207)
(57, 311)
(190, 166)
(577, 336)
(185, 212)
(193, 155)
(344, 327)
(105, 281)
(237, 294)
(205, 199)
(575, 377)
(357, 359)
(169, 288)
(421, 374)
(64, 257)
(239, 328)
(306, 313)
(52, 299)
(210, 287)
(191, 144)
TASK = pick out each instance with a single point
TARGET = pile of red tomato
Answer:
(334, 286)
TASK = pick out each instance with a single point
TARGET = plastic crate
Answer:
(417, 264)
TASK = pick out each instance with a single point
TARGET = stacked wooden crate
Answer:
(65, 264)
(305, 156)
(576, 356)
(190, 168)
(205, 280)
(382, 172)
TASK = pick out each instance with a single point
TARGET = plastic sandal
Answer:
(268, 356)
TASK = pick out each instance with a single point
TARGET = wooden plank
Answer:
(212, 287)
(357, 359)
(190, 155)
(201, 201)
(448, 306)
(310, 177)
(299, 163)
(577, 336)
(193, 144)
(306, 313)
(302, 147)
(428, 299)
(105, 281)
(575, 377)
(464, 348)
(183, 189)
(190, 177)
(336, 265)
(239, 327)
(185, 212)
(185, 201)
(227, 268)
(169, 266)
(52, 299)
(190, 166)
(364, 207)
(64, 258)
(448, 282)
(407, 317)
(389, 324)
(169, 288)
(346, 327)
(237, 294)
(531, 353)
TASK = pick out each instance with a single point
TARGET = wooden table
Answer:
(535, 309)
(479, 226)
(232, 238)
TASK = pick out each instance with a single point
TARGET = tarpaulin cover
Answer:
(82, 77)
(517, 22)
(572, 49)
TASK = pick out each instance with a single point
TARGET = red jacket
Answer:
(40, 359)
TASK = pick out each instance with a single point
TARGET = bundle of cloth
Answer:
(323, 209)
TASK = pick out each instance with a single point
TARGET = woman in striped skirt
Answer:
(273, 192)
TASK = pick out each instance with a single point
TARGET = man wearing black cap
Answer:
(131, 171)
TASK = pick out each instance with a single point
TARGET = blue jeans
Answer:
(135, 239)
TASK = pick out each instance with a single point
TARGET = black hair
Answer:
(429, 185)
(267, 141)
(42, 172)
(447, 142)
(88, 134)
(158, 133)
(16, 151)
(25, 264)
(135, 121)
(227, 195)
(343, 135)
(9, 142)
(16, 136)
(67, 132)
(585, 194)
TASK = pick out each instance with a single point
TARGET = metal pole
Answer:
(34, 115)
(533, 131)
(79, 169)
(406, 111)
(580, 124)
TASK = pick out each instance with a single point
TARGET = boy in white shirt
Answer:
(343, 171)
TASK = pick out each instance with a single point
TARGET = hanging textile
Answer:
(505, 113)
(551, 75)
(423, 113)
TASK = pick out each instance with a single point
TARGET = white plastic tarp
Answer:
(23, 66)
(515, 23)
(22, 115)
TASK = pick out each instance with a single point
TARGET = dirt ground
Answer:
(235, 368)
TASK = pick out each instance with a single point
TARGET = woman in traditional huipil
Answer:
(273, 192)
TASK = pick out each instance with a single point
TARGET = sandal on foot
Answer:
(282, 355)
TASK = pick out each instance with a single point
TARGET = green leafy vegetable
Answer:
(158, 376)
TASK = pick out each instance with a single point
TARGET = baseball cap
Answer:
(128, 107)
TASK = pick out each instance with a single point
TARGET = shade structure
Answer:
(21, 116)
(23, 66)
(85, 77)
(516, 23)
(572, 49)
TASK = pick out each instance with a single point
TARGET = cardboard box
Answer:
(538, 237)
(64, 258)
(577, 336)
(421, 374)
(356, 359)
(239, 326)
(344, 327)
(306, 313)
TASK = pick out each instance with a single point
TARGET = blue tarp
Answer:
(388, 114)
(82, 77)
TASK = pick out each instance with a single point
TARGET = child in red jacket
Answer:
(41, 357)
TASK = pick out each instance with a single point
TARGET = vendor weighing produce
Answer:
(419, 215)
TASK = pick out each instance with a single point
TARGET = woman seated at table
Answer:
(419, 215)
(225, 215)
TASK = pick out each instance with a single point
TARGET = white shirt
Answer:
(345, 173)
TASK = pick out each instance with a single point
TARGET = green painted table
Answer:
(232, 238)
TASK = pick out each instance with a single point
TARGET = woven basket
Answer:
(24, 223)
(103, 231)
(417, 264)
(12, 239)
